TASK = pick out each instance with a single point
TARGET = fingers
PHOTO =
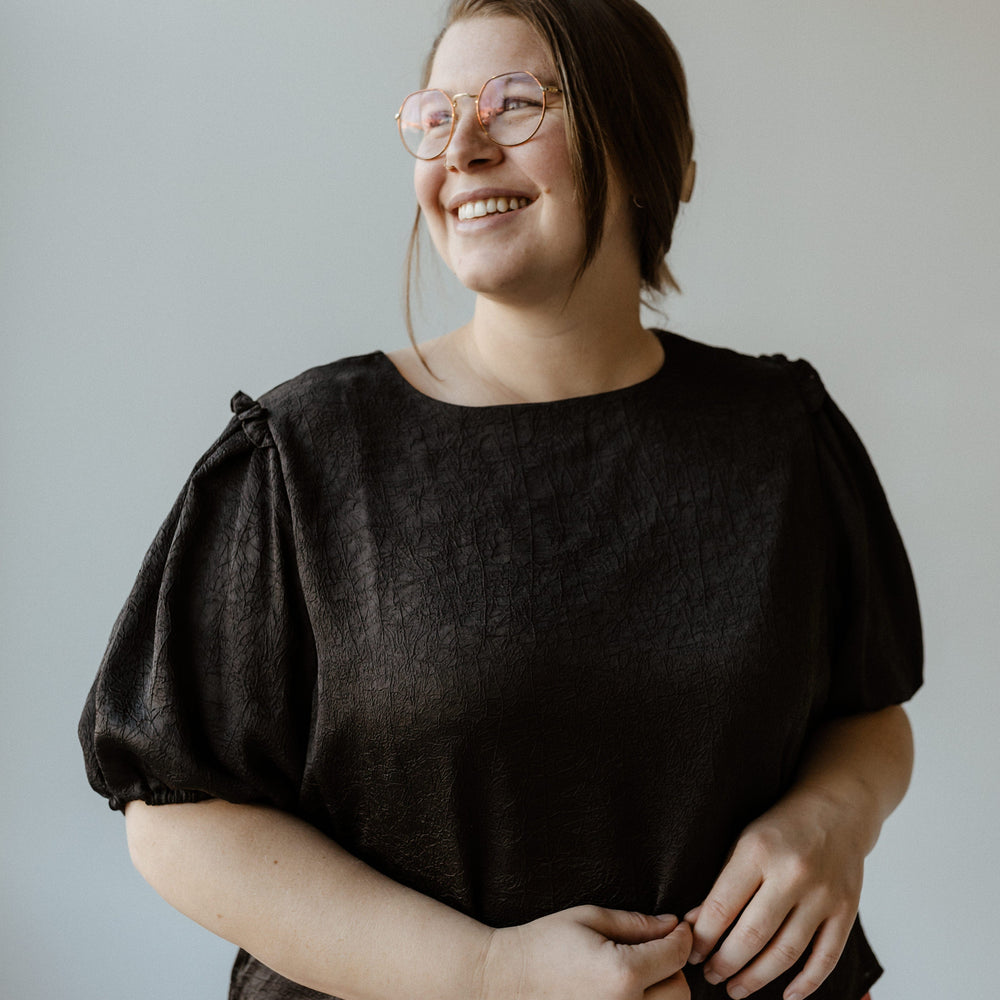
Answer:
(625, 926)
(656, 962)
(753, 932)
(650, 950)
(826, 951)
(674, 988)
(781, 952)
(733, 889)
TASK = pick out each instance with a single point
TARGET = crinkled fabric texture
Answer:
(516, 657)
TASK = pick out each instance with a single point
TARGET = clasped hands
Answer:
(791, 884)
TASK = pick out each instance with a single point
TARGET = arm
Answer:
(311, 911)
(797, 870)
(300, 903)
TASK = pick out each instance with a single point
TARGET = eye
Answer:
(515, 102)
(511, 105)
(438, 119)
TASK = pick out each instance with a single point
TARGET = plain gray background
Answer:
(197, 198)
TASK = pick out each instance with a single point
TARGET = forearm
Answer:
(862, 763)
(304, 906)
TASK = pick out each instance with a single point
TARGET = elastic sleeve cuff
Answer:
(160, 797)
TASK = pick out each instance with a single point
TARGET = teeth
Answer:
(480, 209)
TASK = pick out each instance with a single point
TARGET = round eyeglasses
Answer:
(509, 108)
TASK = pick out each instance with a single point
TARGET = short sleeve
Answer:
(877, 655)
(205, 690)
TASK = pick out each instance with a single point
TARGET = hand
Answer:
(588, 951)
(793, 879)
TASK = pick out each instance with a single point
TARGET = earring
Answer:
(637, 203)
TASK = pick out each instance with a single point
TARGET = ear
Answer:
(687, 188)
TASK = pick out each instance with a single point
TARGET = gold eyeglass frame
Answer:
(453, 101)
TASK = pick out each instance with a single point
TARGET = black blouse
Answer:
(517, 657)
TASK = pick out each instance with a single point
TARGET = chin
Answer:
(485, 277)
(506, 278)
(485, 281)
(501, 288)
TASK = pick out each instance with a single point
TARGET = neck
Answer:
(533, 352)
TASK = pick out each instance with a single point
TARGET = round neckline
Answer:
(608, 394)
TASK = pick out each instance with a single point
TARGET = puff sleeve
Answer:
(205, 689)
(876, 642)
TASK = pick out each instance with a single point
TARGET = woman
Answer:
(453, 668)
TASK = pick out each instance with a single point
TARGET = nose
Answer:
(470, 146)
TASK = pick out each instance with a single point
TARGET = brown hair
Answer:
(625, 96)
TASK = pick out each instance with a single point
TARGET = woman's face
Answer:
(517, 256)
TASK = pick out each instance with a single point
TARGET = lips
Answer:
(481, 207)
(478, 203)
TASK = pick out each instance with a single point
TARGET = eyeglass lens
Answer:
(510, 110)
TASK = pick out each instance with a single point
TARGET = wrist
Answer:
(861, 765)
(500, 968)
(848, 802)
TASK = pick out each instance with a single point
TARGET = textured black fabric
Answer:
(516, 657)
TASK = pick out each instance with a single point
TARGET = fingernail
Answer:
(713, 977)
(739, 992)
(696, 958)
(795, 996)
(667, 917)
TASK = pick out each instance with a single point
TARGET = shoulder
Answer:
(338, 394)
(341, 383)
(727, 376)
(293, 416)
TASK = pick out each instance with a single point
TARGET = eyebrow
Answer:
(541, 77)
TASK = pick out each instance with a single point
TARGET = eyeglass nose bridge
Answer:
(454, 121)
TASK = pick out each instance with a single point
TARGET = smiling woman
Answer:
(554, 658)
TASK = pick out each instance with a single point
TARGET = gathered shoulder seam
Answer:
(253, 419)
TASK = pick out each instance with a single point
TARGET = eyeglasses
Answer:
(509, 107)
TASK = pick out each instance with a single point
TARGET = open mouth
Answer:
(490, 206)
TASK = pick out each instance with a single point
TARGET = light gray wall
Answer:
(201, 197)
